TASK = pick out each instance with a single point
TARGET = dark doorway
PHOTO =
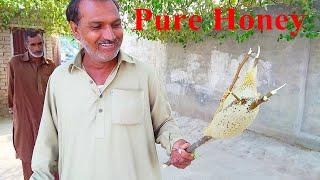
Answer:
(18, 41)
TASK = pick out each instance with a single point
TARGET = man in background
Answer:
(28, 75)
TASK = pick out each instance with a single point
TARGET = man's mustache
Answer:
(107, 41)
(38, 52)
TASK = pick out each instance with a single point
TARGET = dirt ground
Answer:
(10, 168)
(249, 156)
(245, 157)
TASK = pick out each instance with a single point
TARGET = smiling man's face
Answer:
(99, 29)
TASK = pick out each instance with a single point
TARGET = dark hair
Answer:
(73, 13)
(31, 33)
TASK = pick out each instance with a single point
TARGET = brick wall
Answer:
(48, 46)
(5, 55)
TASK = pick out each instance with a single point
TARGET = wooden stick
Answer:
(191, 148)
(264, 98)
(198, 143)
(236, 76)
(235, 96)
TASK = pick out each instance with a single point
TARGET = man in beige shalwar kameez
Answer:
(105, 111)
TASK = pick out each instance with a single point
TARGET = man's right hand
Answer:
(180, 158)
(10, 111)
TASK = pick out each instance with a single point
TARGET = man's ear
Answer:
(74, 29)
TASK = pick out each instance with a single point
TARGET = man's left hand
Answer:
(180, 158)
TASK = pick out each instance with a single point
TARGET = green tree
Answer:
(45, 14)
(49, 15)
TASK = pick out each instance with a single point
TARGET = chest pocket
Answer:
(127, 106)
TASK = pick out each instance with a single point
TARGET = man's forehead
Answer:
(97, 10)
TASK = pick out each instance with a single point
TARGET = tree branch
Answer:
(236, 76)
(264, 98)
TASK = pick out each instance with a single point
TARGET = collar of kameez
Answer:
(26, 58)
(77, 63)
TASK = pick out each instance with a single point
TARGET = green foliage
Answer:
(310, 28)
(50, 16)
(45, 14)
